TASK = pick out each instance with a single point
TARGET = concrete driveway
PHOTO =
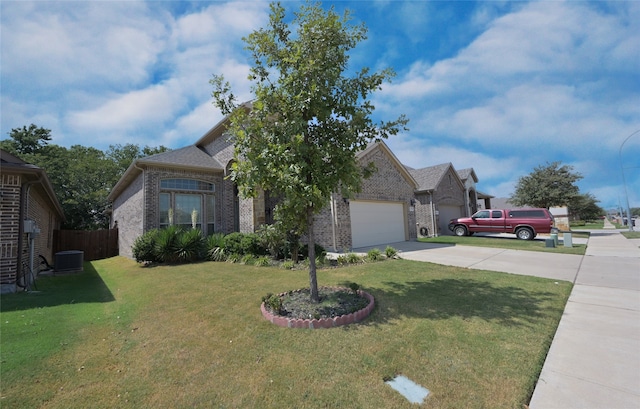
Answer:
(533, 263)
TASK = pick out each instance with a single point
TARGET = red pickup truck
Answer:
(524, 223)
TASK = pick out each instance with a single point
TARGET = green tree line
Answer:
(82, 177)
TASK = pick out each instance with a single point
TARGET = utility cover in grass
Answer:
(409, 389)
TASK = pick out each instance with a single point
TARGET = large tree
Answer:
(27, 141)
(585, 207)
(299, 137)
(550, 185)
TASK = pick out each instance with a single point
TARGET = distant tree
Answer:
(82, 177)
(585, 207)
(26, 141)
(309, 119)
(123, 155)
(547, 186)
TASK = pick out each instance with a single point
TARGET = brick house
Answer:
(29, 210)
(171, 187)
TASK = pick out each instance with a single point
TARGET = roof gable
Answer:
(429, 178)
(464, 174)
(380, 145)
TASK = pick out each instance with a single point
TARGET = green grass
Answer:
(119, 335)
(631, 234)
(510, 243)
(595, 225)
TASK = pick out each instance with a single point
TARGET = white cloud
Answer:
(128, 112)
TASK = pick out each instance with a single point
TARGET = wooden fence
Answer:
(96, 244)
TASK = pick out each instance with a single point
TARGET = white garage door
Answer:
(374, 223)
(447, 213)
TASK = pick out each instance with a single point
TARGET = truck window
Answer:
(483, 214)
(496, 214)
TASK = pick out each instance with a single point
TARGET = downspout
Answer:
(144, 197)
(334, 222)
(25, 189)
(433, 215)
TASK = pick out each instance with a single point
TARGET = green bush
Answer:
(144, 247)
(390, 252)
(288, 264)
(215, 247)
(250, 244)
(353, 258)
(248, 259)
(273, 302)
(167, 244)
(374, 255)
(233, 243)
(273, 241)
(262, 261)
(234, 258)
(190, 246)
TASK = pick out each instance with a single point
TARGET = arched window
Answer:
(187, 203)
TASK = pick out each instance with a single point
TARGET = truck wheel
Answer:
(460, 231)
(524, 233)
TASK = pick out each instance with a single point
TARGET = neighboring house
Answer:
(440, 197)
(29, 213)
(171, 187)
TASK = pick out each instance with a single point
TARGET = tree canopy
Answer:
(82, 177)
(550, 185)
(299, 137)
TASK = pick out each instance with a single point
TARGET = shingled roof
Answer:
(190, 156)
(466, 173)
(429, 178)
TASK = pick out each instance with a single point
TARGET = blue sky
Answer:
(499, 86)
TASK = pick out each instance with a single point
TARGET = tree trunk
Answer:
(313, 280)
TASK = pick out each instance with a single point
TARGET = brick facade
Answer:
(332, 225)
(24, 196)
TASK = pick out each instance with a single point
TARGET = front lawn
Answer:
(511, 243)
(119, 335)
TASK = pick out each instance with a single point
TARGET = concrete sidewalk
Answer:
(594, 359)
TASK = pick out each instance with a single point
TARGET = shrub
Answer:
(250, 244)
(232, 243)
(288, 264)
(248, 259)
(273, 240)
(390, 252)
(167, 244)
(190, 246)
(374, 255)
(354, 287)
(342, 259)
(273, 302)
(263, 261)
(353, 258)
(321, 260)
(144, 247)
(234, 258)
(215, 247)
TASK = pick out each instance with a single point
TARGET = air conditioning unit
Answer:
(68, 261)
